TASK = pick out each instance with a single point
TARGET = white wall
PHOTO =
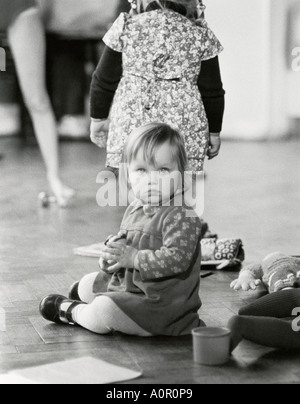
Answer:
(253, 65)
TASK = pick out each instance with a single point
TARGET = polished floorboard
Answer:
(252, 192)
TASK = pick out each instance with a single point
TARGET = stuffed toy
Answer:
(222, 253)
(277, 272)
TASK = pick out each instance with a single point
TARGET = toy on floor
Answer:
(222, 253)
(277, 272)
(46, 200)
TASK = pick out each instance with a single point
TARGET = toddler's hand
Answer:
(246, 281)
(108, 258)
(106, 261)
(214, 145)
(123, 255)
(104, 265)
(99, 130)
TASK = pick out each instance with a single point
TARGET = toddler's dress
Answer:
(162, 296)
(162, 52)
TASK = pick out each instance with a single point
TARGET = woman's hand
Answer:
(246, 281)
(118, 256)
(99, 130)
(214, 145)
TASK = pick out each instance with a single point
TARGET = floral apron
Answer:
(162, 54)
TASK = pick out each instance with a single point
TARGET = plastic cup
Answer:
(211, 346)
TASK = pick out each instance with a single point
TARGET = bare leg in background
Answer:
(28, 45)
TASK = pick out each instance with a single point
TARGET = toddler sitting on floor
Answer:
(149, 276)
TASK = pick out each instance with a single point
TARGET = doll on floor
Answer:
(271, 320)
(277, 272)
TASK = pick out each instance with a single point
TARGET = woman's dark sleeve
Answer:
(105, 83)
(213, 95)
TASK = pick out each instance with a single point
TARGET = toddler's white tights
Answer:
(101, 315)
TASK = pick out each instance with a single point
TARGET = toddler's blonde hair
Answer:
(149, 138)
(191, 6)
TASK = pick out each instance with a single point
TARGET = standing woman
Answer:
(22, 21)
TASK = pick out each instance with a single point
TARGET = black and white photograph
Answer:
(149, 194)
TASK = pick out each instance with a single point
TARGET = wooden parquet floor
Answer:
(252, 193)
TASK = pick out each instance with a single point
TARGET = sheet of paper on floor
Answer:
(78, 371)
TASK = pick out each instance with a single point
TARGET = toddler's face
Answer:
(155, 184)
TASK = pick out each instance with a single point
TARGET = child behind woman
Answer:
(150, 272)
(160, 64)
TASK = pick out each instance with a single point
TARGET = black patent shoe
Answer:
(73, 292)
(50, 309)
